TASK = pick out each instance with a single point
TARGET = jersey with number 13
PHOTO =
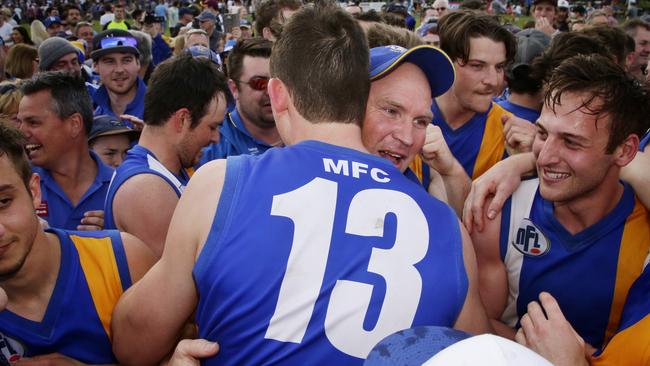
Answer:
(317, 252)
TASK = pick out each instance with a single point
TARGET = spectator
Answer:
(207, 23)
(146, 57)
(110, 138)
(20, 35)
(10, 96)
(640, 32)
(119, 19)
(271, 15)
(53, 25)
(85, 32)
(186, 17)
(71, 16)
(21, 62)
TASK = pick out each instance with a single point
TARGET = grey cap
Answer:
(530, 44)
(51, 50)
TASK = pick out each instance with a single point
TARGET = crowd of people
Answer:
(289, 183)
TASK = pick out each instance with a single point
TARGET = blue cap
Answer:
(183, 11)
(244, 23)
(229, 45)
(413, 346)
(51, 20)
(106, 125)
(207, 16)
(202, 51)
(435, 64)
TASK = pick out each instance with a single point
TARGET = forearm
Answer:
(148, 321)
(457, 186)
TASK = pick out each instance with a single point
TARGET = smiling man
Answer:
(116, 60)
(56, 117)
(470, 121)
(577, 232)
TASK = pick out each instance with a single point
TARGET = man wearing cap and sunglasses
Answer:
(250, 127)
(116, 60)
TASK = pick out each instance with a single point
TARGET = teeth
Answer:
(396, 156)
(32, 147)
(554, 175)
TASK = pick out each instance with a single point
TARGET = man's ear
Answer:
(35, 190)
(266, 33)
(75, 124)
(626, 151)
(181, 119)
(279, 96)
(232, 85)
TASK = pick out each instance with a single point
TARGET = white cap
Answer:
(489, 350)
(563, 4)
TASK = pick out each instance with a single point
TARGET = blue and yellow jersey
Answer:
(322, 252)
(589, 273)
(479, 143)
(93, 275)
(631, 344)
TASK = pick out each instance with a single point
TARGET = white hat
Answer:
(563, 4)
(486, 349)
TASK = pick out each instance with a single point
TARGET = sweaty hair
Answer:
(457, 28)
(183, 82)
(611, 92)
(253, 47)
(12, 145)
(322, 57)
(68, 92)
(269, 14)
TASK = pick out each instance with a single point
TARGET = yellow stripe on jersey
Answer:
(416, 167)
(632, 254)
(493, 145)
(100, 268)
(631, 347)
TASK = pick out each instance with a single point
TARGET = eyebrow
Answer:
(7, 187)
(563, 134)
(399, 106)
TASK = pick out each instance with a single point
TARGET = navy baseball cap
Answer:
(114, 40)
(47, 22)
(435, 64)
(206, 16)
(202, 51)
(106, 125)
(441, 346)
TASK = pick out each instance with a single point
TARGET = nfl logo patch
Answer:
(530, 240)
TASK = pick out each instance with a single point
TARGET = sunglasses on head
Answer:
(110, 42)
(257, 82)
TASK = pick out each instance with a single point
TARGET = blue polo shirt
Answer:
(57, 209)
(135, 108)
(234, 140)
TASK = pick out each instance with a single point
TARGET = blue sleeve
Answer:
(160, 50)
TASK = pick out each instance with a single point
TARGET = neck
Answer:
(454, 114)
(585, 211)
(268, 135)
(120, 101)
(74, 166)
(156, 140)
(345, 135)
(30, 289)
(527, 100)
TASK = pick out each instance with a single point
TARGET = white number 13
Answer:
(312, 208)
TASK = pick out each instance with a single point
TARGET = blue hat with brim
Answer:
(435, 64)
(413, 346)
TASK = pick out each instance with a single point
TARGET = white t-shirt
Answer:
(108, 17)
(5, 32)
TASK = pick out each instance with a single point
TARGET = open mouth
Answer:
(395, 158)
(30, 148)
(552, 175)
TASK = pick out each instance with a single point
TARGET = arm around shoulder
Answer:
(150, 316)
(472, 317)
